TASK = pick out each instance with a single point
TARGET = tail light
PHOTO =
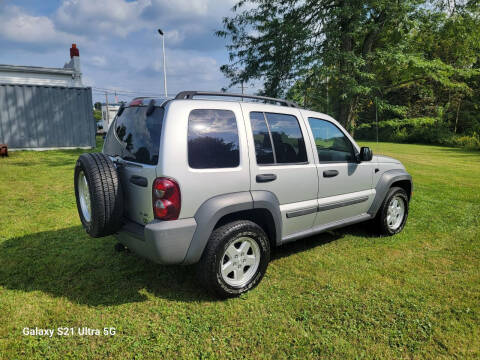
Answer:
(166, 199)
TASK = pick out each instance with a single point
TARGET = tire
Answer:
(104, 191)
(388, 223)
(216, 252)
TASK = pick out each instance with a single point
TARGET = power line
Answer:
(125, 92)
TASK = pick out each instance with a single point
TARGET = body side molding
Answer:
(301, 212)
(338, 204)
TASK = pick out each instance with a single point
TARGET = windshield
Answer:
(134, 136)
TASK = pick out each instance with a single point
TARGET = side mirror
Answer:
(365, 154)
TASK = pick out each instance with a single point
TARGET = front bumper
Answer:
(164, 242)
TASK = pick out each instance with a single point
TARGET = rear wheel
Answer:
(393, 213)
(99, 194)
(235, 259)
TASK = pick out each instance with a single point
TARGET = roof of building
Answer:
(37, 69)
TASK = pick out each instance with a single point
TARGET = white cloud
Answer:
(179, 18)
(99, 61)
(174, 37)
(191, 8)
(200, 70)
(106, 17)
(18, 26)
(118, 42)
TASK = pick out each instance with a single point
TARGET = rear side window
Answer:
(331, 143)
(278, 139)
(136, 136)
(212, 139)
(261, 138)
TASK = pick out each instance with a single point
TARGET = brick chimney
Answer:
(75, 65)
(74, 51)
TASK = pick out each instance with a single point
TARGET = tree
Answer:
(97, 114)
(312, 41)
(341, 56)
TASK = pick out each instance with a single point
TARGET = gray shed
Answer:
(46, 108)
(46, 117)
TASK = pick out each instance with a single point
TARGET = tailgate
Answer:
(137, 183)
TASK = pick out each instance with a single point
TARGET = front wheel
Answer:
(393, 213)
(235, 259)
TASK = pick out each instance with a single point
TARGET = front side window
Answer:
(331, 143)
(278, 139)
(212, 139)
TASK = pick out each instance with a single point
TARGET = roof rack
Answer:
(183, 95)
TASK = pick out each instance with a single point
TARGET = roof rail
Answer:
(183, 95)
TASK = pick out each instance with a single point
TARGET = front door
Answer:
(345, 185)
(282, 162)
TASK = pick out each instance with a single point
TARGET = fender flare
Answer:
(212, 210)
(267, 200)
(384, 184)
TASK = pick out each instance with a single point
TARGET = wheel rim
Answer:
(395, 212)
(84, 196)
(240, 261)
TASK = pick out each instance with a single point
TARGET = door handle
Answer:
(330, 173)
(265, 178)
(139, 180)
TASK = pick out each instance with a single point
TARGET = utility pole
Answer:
(107, 115)
(376, 117)
(327, 94)
(242, 90)
(164, 62)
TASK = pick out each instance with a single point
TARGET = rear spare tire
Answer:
(99, 194)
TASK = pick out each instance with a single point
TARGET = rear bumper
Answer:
(164, 242)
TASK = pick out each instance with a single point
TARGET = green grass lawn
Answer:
(343, 294)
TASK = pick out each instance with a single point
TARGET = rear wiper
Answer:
(122, 162)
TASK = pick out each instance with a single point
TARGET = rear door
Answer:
(281, 161)
(134, 139)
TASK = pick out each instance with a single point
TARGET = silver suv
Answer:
(223, 182)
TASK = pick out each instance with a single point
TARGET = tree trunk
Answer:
(456, 118)
(344, 115)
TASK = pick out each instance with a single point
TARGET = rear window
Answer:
(212, 139)
(136, 136)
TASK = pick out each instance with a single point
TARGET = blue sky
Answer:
(119, 45)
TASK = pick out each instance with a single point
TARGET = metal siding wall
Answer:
(89, 114)
(46, 116)
(12, 127)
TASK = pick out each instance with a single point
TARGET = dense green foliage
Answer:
(363, 60)
(340, 295)
(97, 114)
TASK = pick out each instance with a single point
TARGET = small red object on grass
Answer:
(3, 150)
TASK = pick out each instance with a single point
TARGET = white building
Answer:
(108, 114)
(68, 76)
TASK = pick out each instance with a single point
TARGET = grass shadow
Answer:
(362, 229)
(461, 153)
(68, 263)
